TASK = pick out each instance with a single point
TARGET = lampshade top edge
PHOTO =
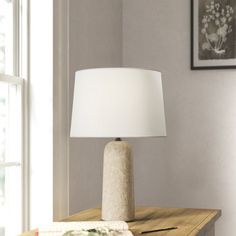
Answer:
(117, 68)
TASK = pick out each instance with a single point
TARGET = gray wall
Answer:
(95, 40)
(195, 165)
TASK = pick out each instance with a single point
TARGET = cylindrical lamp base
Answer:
(118, 190)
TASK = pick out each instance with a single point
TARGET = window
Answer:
(21, 185)
(12, 183)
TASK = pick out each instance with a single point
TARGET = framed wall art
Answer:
(213, 34)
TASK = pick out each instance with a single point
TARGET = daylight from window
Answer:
(3, 124)
(10, 128)
(6, 37)
(10, 159)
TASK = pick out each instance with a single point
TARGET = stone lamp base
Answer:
(118, 190)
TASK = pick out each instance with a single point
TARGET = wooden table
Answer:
(190, 222)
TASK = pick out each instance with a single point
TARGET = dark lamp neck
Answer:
(118, 139)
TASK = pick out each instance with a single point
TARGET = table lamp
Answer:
(118, 103)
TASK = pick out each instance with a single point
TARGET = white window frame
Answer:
(41, 126)
(26, 67)
(27, 26)
(23, 68)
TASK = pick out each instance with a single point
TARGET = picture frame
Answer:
(213, 34)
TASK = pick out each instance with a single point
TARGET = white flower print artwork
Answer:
(216, 36)
(213, 34)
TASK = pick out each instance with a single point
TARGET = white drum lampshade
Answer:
(118, 103)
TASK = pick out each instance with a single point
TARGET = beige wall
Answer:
(195, 165)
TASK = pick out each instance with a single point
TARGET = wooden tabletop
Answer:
(190, 222)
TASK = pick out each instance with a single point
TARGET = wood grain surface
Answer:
(190, 222)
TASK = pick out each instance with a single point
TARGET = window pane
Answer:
(6, 37)
(10, 159)
(10, 208)
(3, 126)
(3, 120)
